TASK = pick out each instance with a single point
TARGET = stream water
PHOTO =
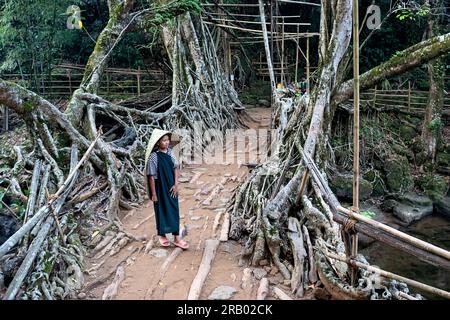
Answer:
(434, 229)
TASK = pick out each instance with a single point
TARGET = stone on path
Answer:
(158, 253)
(259, 273)
(222, 293)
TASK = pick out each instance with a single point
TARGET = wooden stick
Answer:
(208, 256)
(390, 275)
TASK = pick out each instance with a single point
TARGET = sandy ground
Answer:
(142, 270)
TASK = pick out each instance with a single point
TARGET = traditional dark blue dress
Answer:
(167, 212)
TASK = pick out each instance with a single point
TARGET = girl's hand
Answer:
(154, 198)
(174, 191)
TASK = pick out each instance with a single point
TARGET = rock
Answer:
(267, 268)
(374, 177)
(421, 158)
(443, 206)
(82, 295)
(222, 293)
(259, 273)
(264, 102)
(434, 186)
(409, 214)
(183, 180)
(287, 282)
(398, 174)
(158, 253)
(407, 133)
(278, 278)
(443, 159)
(263, 262)
(416, 200)
(2, 281)
(342, 185)
(388, 205)
(196, 218)
(273, 271)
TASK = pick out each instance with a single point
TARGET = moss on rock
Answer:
(398, 174)
(342, 186)
(434, 186)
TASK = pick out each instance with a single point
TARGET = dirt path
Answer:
(142, 277)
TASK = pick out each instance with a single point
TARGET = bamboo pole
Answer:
(390, 275)
(401, 235)
(354, 244)
(296, 55)
(266, 45)
(409, 95)
(282, 52)
(138, 80)
(307, 66)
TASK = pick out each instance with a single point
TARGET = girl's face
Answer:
(164, 142)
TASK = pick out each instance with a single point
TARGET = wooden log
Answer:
(263, 289)
(205, 265)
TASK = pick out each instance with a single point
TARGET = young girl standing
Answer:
(162, 171)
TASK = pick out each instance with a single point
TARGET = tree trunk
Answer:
(432, 125)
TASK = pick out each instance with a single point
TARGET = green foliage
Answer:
(435, 126)
(368, 214)
(412, 13)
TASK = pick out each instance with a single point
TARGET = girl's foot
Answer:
(181, 243)
(164, 241)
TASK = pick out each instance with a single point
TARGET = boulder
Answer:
(415, 199)
(342, 186)
(222, 293)
(398, 175)
(443, 206)
(434, 186)
(407, 133)
(264, 103)
(408, 213)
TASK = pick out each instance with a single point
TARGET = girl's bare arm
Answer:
(152, 185)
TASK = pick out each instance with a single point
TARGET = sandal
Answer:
(165, 242)
(181, 244)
